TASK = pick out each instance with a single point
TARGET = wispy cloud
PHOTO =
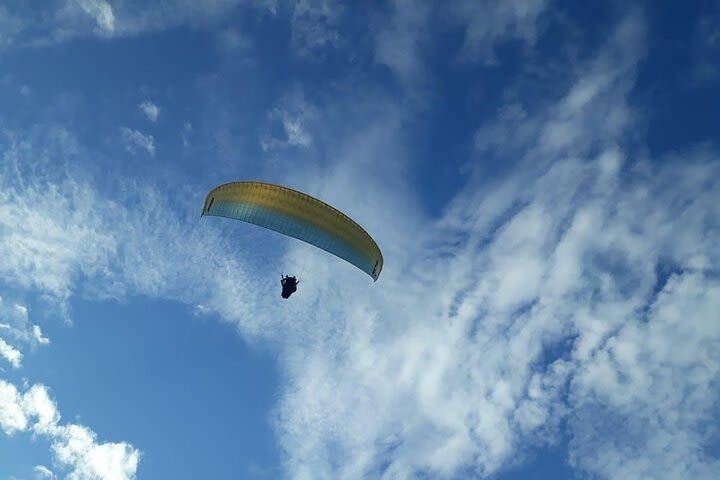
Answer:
(42, 472)
(403, 38)
(135, 140)
(45, 252)
(60, 235)
(150, 110)
(15, 325)
(60, 21)
(56, 22)
(38, 336)
(102, 12)
(398, 41)
(489, 24)
(315, 26)
(707, 47)
(231, 40)
(293, 116)
(186, 134)
(10, 353)
(10, 26)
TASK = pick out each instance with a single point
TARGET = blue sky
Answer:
(542, 177)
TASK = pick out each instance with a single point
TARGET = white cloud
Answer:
(10, 353)
(38, 335)
(135, 140)
(102, 13)
(150, 110)
(15, 323)
(12, 417)
(42, 472)
(37, 404)
(75, 446)
(467, 386)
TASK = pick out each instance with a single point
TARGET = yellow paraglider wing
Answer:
(297, 215)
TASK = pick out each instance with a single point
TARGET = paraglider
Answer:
(289, 286)
(297, 215)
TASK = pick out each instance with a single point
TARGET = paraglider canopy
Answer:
(297, 215)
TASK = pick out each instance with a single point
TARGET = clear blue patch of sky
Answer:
(679, 109)
(184, 390)
(541, 464)
(20, 453)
